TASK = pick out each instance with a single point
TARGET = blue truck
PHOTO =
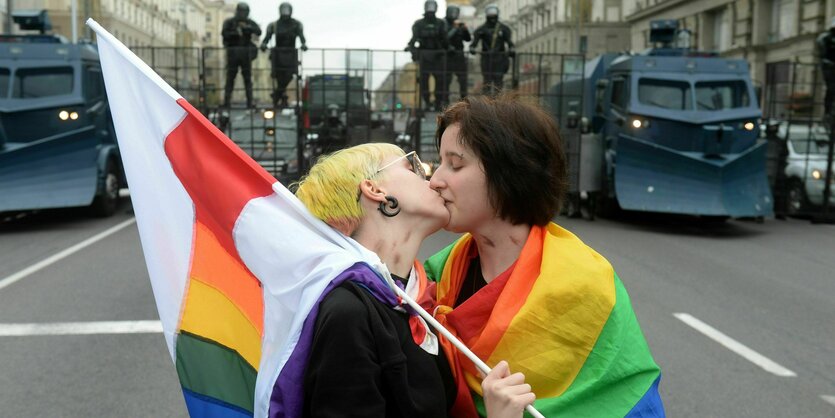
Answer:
(669, 130)
(57, 142)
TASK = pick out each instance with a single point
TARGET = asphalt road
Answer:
(766, 286)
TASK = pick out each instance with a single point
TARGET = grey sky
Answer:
(372, 24)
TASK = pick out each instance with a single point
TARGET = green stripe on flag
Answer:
(208, 368)
(617, 372)
(434, 265)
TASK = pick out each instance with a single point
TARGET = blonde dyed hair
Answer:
(331, 189)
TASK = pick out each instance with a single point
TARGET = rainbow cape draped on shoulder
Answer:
(562, 317)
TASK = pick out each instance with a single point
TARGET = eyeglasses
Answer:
(412, 158)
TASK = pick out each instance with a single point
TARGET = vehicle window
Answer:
(42, 82)
(806, 142)
(4, 82)
(619, 93)
(665, 94)
(333, 91)
(94, 87)
(719, 95)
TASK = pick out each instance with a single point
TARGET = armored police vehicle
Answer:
(670, 130)
(57, 142)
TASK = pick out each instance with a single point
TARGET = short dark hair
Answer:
(521, 152)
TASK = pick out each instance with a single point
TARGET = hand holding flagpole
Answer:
(482, 366)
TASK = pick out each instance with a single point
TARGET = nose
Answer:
(436, 182)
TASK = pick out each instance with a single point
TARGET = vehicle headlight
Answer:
(639, 123)
(68, 115)
(313, 136)
(748, 126)
(816, 174)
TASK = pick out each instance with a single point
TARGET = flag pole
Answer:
(482, 366)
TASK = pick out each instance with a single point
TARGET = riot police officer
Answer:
(496, 49)
(457, 34)
(430, 33)
(240, 51)
(826, 53)
(284, 57)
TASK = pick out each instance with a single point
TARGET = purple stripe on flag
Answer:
(287, 399)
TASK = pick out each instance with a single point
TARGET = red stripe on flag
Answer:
(218, 176)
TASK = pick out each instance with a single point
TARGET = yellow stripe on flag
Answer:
(565, 310)
(211, 315)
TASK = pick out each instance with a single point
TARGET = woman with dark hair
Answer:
(518, 287)
(370, 355)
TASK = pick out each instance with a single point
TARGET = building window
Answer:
(613, 10)
(719, 19)
(783, 17)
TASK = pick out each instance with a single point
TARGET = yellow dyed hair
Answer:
(331, 189)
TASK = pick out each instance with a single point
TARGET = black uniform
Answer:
(496, 49)
(240, 51)
(826, 53)
(431, 34)
(284, 57)
(456, 61)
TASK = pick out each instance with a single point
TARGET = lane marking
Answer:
(81, 328)
(829, 398)
(6, 281)
(737, 347)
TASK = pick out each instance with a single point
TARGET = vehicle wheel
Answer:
(107, 200)
(796, 202)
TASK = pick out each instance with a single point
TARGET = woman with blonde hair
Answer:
(371, 355)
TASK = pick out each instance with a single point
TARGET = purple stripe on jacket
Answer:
(287, 399)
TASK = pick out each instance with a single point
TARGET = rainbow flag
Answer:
(562, 317)
(237, 264)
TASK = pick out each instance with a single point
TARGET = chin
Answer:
(452, 227)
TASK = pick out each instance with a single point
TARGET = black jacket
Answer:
(457, 35)
(364, 363)
(235, 34)
(493, 38)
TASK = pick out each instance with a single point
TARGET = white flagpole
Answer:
(482, 366)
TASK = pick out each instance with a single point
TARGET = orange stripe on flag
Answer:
(214, 266)
(211, 315)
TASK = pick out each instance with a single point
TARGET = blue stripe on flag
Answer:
(206, 407)
(650, 405)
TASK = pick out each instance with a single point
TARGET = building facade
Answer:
(589, 27)
(139, 23)
(776, 37)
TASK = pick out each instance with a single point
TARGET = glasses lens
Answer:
(417, 166)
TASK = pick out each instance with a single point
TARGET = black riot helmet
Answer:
(430, 7)
(285, 10)
(452, 12)
(242, 11)
(492, 13)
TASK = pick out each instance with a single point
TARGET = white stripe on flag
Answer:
(144, 112)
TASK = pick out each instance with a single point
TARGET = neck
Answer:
(499, 244)
(395, 242)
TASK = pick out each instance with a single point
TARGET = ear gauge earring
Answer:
(390, 207)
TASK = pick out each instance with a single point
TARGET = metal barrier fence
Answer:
(377, 93)
(800, 144)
